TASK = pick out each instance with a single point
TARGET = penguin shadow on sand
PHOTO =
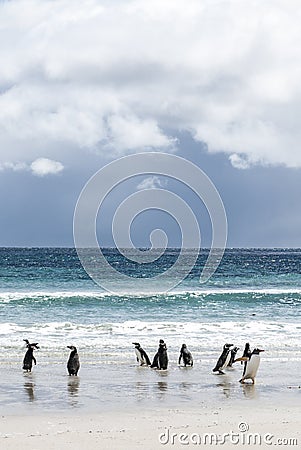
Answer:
(29, 389)
(73, 390)
(249, 390)
(226, 385)
(186, 390)
(142, 390)
(162, 387)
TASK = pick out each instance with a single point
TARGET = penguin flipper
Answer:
(155, 361)
(242, 358)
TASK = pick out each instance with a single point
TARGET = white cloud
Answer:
(44, 166)
(131, 133)
(152, 182)
(239, 162)
(16, 167)
(114, 76)
(39, 167)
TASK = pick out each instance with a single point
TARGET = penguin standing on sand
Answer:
(251, 367)
(232, 357)
(28, 358)
(186, 355)
(141, 355)
(160, 360)
(73, 364)
(223, 360)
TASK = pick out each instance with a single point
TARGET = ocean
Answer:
(47, 297)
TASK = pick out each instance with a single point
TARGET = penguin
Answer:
(232, 357)
(246, 354)
(223, 360)
(160, 360)
(141, 355)
(73, 364)
(251, 367)
(186, 355)
(247, 350)
(28, 358)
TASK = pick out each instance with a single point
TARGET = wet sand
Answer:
(127, 407)
(105, 387)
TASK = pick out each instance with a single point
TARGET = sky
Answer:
(216, 82)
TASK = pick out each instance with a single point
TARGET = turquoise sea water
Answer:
(46, 297)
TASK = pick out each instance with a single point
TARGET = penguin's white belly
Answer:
(227, 360)
(252, 366)
(138, 354)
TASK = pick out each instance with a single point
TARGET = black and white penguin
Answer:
(28, 358)
(223, 360)
(252, 364)
(160, 360)
(232, 356)
(73, 364)
(186, 355)
(141, 355)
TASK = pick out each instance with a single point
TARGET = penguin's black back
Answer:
(73, 364)
(221, 360)
(144, 356)
(187, 357)
(27, 361)
(162, 357)
(247, 353)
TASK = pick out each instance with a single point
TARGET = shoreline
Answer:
(101, 388)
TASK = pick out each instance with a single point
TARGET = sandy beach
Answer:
(241, 426)
(128, 407)
(116, 404)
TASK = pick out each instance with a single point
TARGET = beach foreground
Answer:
(240, 426)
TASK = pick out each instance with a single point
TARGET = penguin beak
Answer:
(261, 350)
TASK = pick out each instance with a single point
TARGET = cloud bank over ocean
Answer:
(120, 77)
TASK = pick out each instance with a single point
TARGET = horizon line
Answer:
(148, 248)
